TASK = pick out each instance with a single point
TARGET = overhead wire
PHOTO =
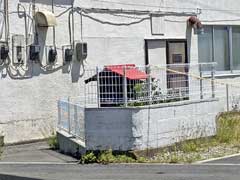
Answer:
(143, 5)
(115, 23)
(166, 7)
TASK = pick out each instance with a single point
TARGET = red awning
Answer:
(132, 73)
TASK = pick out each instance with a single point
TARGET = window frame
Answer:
(231, 71)
(177, 41)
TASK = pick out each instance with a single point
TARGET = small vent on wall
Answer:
(157, 24)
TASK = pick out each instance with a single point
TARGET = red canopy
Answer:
(132, 73)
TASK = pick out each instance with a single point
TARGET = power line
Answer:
(143, 5)
(167, 7)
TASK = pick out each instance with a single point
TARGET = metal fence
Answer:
(129, 85)
(71, 118)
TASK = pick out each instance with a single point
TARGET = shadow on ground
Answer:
(34, 152)
(11, 177)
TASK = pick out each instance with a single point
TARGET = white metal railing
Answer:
(150, 85)
(71, 119)
(130, 85)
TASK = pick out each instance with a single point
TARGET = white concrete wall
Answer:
(141, 128)
(31, 95)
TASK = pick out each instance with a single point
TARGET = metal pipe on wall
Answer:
(6, 19)
(25, 22)
(54, 30)
(35, 31)
(73, 26)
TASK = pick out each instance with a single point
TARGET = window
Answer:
(236, 47)
(205, 45)
(220, 44)
(221, 48)
(213, 46)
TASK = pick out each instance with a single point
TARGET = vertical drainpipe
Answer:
(54, 30)
(6, 19)
(26, 29)
(26, 34)
(213, 47)
(34, 22)
(73, 26)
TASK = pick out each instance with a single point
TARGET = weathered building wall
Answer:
(31, 95)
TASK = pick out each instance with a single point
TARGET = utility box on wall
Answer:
(34, 52)
(51, 55)
(81, 50)
(18, 49)
(67, 54)
(4, 51)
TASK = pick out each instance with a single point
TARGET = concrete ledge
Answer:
(163, 105)
(69, 144)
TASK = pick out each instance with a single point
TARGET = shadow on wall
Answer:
(32, 69)
(77, 71)
(49, 2)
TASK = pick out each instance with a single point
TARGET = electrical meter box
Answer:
(67, 54)
(81, 50)
(34, 52)
(51, 55)
(18, 49)
(4, 51)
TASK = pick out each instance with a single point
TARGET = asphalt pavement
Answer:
(228, 161)
(119, 172)
(33, 152)
(37, 162)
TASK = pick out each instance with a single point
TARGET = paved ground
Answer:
(119, 172)
(37, 162)
(228, 161)
(34, 152)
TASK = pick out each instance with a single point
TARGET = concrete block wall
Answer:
(109, 128)
(178, 122)
(141, 128)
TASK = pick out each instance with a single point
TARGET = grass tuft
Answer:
(53, 142)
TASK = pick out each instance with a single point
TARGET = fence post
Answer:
(98, 87)
(227, 96)
(149, 84)
(125, 96)
(75, 125)
(69, 116)
(213, 80)
(201, 81)
(59, 114)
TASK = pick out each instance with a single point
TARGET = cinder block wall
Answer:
(141, 128)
